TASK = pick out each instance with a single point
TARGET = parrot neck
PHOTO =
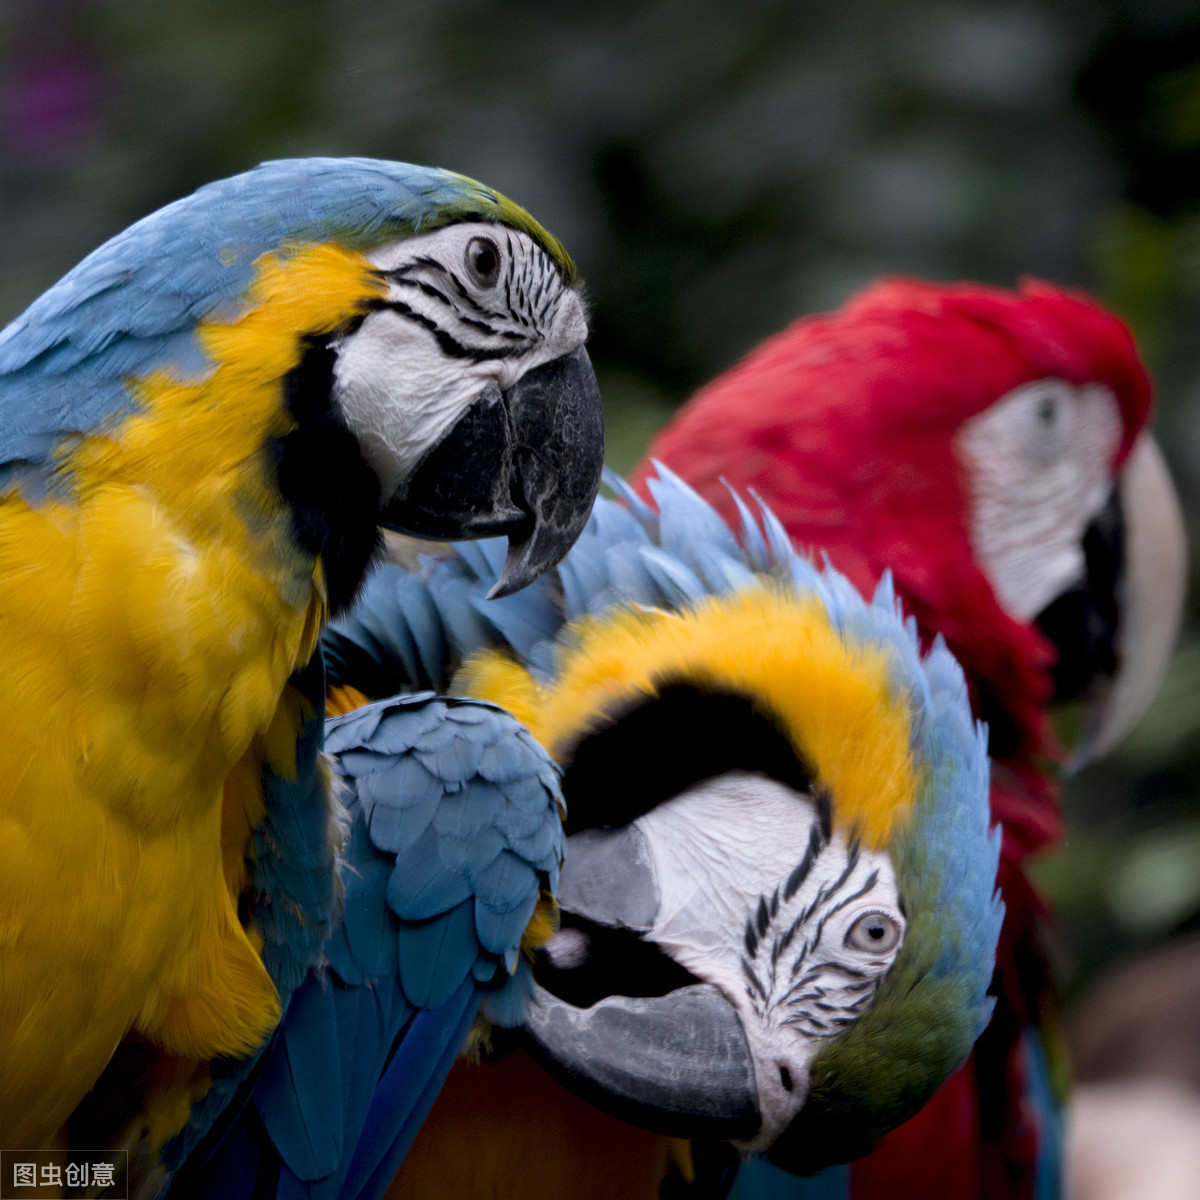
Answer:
(331, 492)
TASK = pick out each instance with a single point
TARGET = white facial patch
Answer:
(468, 306)
(796, 930)
(1039, 468)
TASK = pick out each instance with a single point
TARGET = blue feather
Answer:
(431, 926)
(306, 1119)
(1048, 1171)
(476, 561)
(500, 929)
(436, 955)
(456, 758)
(642, 512)
(469, 811)
(686, 521)
(423, 623)
(426, 1054)
(456, 600)
(679, 583)
(422, 887)
(506, 1006)
(522, 621)
(778, 542)
(396, 827)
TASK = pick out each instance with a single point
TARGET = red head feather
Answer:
(845, 425)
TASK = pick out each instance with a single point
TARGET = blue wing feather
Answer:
(423, 889)
(295, 849)
(305, 1121)
(427, 1053)
(686, 521)
(679, 583)
(437, 898)
(1047, 1107)
(437, 954)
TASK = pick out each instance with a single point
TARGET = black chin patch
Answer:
(1083, 622)
(320, 471)
(663, 744)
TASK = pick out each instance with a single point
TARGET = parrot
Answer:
(777, 913)
(205, 425)
(989, 448)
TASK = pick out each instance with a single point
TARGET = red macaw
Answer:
(989, 447)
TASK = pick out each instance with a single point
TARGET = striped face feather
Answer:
(468, 307)
(796, 925)
(814, 964)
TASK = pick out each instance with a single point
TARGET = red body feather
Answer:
(844, 425)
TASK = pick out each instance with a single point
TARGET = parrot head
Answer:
(419, 336)
(988, 447)
(778, 908)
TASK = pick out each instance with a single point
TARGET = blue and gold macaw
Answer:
(777, 911)
(204, 426)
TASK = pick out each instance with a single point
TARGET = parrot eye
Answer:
(1050, 424)
(482, 260)
(873, 933)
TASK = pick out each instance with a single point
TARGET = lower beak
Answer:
(677, 1064)
(525, 462)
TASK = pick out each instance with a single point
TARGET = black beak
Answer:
(1115, 630)
(1083, 622)
(525, 463)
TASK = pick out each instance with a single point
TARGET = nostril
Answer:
(785, 1077)
(568, 949)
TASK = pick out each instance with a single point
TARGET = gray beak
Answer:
(677, 1064)
(525, 463)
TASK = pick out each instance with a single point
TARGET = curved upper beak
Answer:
(525, 462)
(1149, 602)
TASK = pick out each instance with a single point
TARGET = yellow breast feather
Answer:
(151, 623)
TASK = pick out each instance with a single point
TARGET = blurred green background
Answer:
(716, 169)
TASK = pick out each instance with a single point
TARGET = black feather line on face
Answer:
(331, 492)
(462, 301)
(817, 841)
(401, 276)
(508, 273)
(808, 986)
(447, 342)
(684, 735)
(872, 880)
